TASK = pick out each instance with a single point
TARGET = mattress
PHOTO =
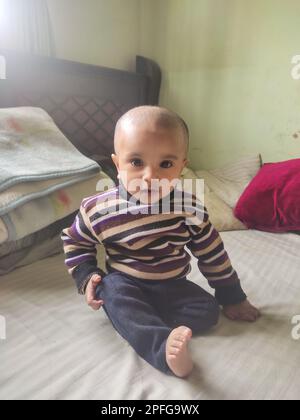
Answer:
(56, 347)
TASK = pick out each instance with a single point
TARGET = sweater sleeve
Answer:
(213, 261)
(79, 244)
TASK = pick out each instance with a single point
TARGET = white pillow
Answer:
(220, 214)
(229, 182)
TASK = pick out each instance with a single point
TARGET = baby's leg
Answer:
(137, 321)
(183, 302)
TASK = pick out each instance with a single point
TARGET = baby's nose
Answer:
(149, 175)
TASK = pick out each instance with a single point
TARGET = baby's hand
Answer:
(243, 311)
(90, 292)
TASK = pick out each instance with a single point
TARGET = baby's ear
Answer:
(114, 159)
(185, 162)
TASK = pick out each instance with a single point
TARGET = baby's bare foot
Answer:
(177, 354)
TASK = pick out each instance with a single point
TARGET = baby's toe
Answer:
(178, 343)
(186, 332)
(184, 336)
(174, 351)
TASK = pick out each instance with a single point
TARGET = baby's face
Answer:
(146, 155)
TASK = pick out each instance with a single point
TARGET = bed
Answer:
(56, 347)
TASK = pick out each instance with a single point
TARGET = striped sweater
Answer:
(146, 242)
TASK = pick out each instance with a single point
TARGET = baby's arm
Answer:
(213, 261)
(79, 244)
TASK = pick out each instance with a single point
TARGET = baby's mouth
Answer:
(149, 194)
(149, 191)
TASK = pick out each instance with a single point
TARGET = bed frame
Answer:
(84, 100)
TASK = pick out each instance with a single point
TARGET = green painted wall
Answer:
(227, 70)
(101, 32)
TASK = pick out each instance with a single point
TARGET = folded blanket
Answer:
(32, 148)
(36, 238)
(20, 194)
(37, 214)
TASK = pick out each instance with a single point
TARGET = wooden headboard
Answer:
(84, 100)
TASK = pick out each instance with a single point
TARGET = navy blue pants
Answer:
(144, 312)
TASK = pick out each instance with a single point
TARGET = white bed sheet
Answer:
(56, 347)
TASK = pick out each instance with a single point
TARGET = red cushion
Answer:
(271, 201)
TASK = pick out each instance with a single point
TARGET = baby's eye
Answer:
(136, 162)
(166, 164)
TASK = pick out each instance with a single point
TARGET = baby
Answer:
(145, 292)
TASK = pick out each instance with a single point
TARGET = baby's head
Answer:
(151, 143)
